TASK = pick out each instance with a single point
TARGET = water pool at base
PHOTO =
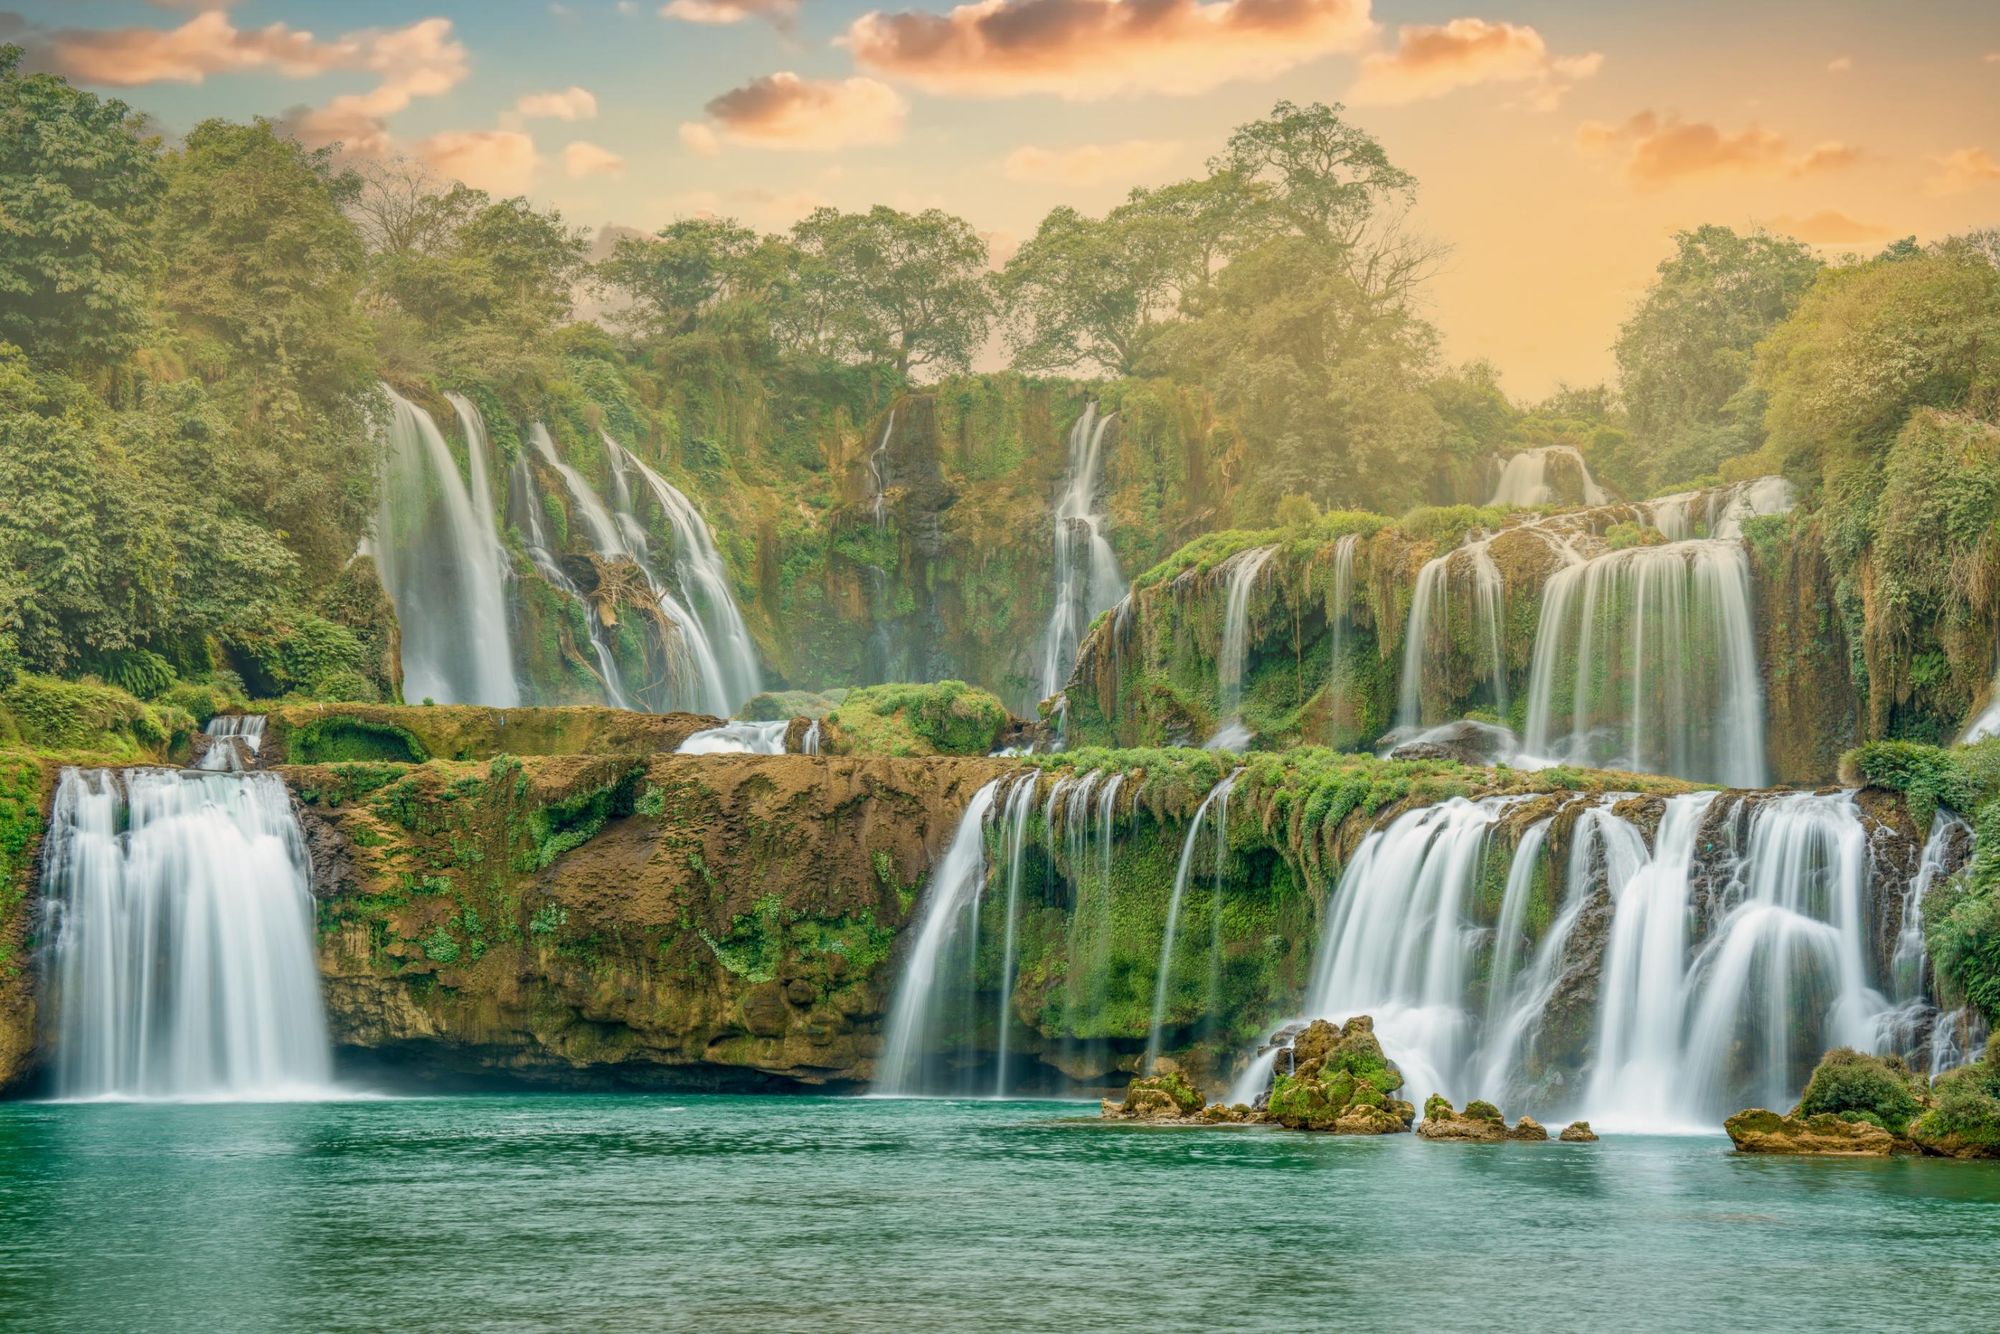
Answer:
(708, 1212)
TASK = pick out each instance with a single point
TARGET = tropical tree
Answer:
(908, 290)
(1684, 357)
(672, 279)
(78, 186)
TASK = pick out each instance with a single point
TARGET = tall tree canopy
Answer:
(78, 187)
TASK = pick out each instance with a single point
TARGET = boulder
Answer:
(1757, 1130)
(1466, 741)
(1529, 1129)
(1480, 1123)
(1339, 1081)
(1165, 1097)
(1578, 1132)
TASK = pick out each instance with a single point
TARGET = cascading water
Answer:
(1719, 512)
(524, 508)
(1156, 1028)
(182, 965)
(1087, 577)
(1526, 482)
(703, 577)
(1243, 570)
(443, 566)
(1736, 950)
(738, 739)
(234, 740)
(1645, 659)
(1340, 613)
(1428, 633)
(878, 503)
(947, 921)
(1020, 804)
(689, 653)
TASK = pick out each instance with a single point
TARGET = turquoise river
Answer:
(544, 1212)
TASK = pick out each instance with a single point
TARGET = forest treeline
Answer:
(192, 334)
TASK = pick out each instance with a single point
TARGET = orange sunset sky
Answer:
(1558, 145)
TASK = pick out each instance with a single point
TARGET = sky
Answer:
(1558, 144)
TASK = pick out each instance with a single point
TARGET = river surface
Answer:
(723, 1213)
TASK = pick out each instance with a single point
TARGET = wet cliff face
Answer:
(690, 921)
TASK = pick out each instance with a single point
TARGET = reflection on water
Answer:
(705, 1212)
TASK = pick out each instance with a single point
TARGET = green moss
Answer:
(341, 739)
(943, 718)
(74, 718)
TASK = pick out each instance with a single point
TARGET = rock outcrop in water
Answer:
(1339, 1080)
(1480, 1123)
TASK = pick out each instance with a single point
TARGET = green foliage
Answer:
(21, 787)
(339, 739)
(440, 947)
(1847, 1082)
(941, 718)
(1965, 1114)
(1685, 356)
(78, 187)
(84, 719)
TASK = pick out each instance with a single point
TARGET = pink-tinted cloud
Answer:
(785, 111)
(499, 161)
(1430, 60)
(1828, 227)
(582, 159)
(1661, 151)
(1839, 65)
(1963, 169)
(780, 12)
(206, 44)
(1089, 164)
(571, 104)
(1097, 48)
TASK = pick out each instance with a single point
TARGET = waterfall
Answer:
(1243, 569)
(1393, 944)
(1087, 577)
(706, 684)
(182, 921)
(1020, 804)
(947, 916)
(1525, 481)
(524, 507)
(1927, 1038)
(1155, 1030)
(1645, 659)
(234, 740)
(1641, 998)
(703, 577)
(814, 738)
(1708, 971)
(443, 566)
(1429, 629)
(1340, 614)
(879, 483)
(738, 739)
(1721, 511)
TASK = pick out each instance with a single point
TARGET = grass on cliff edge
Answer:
(942, 718)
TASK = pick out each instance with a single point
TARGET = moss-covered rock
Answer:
(1162, 1097)
(385, 733)
(662, 920)
(944, 718)
(1480, 1123)
(1756, 1130)
(1963, 1120)
(1340, 1081)
(24, 793)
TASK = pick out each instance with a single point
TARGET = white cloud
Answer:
(571, 104)
(1089, 164)
(582, 159)
(785, 111)
(500, 161)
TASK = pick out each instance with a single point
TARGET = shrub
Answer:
(1854, 1085)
